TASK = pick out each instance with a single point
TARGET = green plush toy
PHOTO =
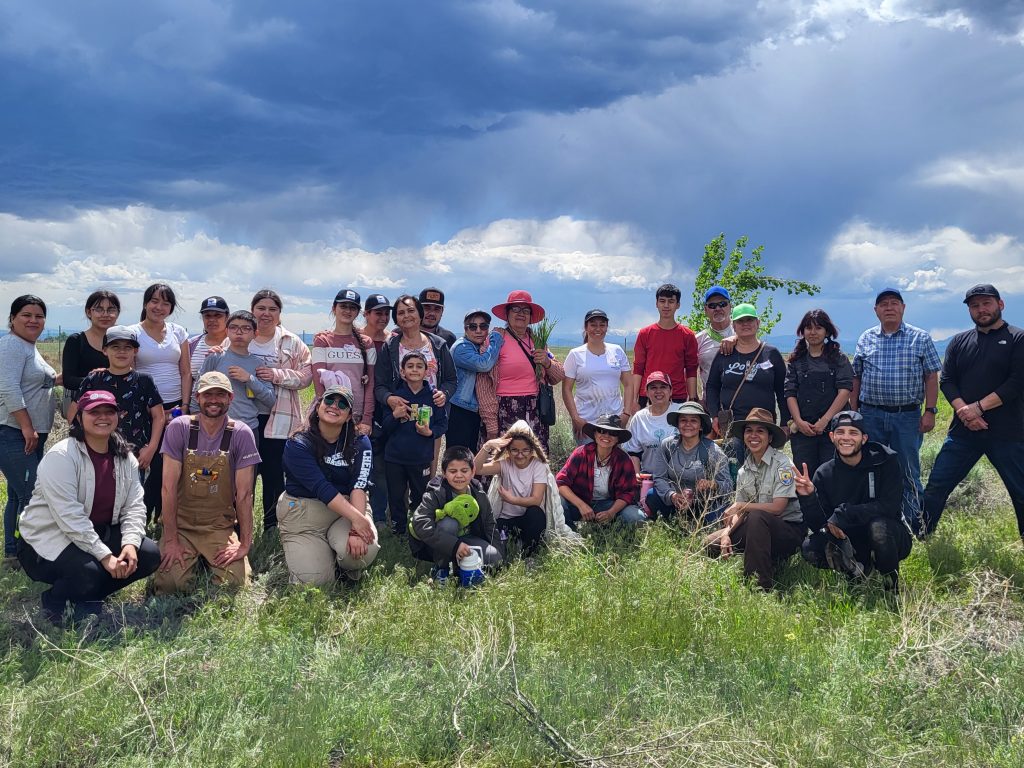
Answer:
(464, 509)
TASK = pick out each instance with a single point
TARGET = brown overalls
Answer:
(206, 517)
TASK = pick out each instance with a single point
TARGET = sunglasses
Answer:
(717, 304)
(599, 431)
(477, 326)
(336, 401)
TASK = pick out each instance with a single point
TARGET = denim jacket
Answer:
(469, 361)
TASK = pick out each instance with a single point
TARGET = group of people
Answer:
(171, 428)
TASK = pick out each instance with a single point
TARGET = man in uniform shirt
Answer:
(983, 379)
(207, 489)
(895, 370)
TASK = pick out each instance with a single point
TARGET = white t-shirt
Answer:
(160, 359)
(520, 482)
(648, 432)
(602, 478)
(267, 351)
(598, 380)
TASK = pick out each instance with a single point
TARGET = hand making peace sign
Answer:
(804, 486)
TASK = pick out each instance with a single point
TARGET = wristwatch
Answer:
(933, 409)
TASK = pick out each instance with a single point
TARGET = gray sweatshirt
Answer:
(26, 382)
(675, 468)
(247, 393)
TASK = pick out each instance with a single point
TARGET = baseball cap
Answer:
(348, 296)
(595, 313)
(656, 376)
(94, 398)
(376, 301)
(982, 289)
(214, 304)
(339, 389)
(213, 380)
(477, 313)
(846, 419)
(717, 290)
(743, 310)
(888, 292)
(120, 333)
(432, 296)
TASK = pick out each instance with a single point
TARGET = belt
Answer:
(896, 408)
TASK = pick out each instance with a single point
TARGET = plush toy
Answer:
(464, 509)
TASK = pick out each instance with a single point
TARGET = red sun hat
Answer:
(519, 297)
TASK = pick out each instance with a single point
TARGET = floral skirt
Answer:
(513, 408)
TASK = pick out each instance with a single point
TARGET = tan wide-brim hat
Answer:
(689, 408)
(765, 419)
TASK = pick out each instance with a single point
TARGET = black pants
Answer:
(765, 540)
(882, 543)
(812, 451)
(271, 469)
(78, 576)
(530, 527)
(463, 428)
(406, 485)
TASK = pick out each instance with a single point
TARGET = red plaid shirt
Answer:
(578, 474)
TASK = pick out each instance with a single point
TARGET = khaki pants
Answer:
(315, 541)
(202, 543)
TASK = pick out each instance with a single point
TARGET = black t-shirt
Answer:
(79, 358)
(136, 394)
(764, 386)
(977, 364)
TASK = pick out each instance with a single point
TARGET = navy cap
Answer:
(846, 419)
(716, 290)
(595, 313)
(214, 304)
(982, 289)
(888, 292)
(377, 301)
(348, 296)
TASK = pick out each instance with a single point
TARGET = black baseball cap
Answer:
(981, 289)
(476, 313)
(432, 296)
(377, 301)
(888, 292)
(214, 304)
(595, 314)
(846, 419)
(348, 296)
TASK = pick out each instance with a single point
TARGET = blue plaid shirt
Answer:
(892, 367)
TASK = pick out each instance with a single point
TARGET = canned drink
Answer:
(423, 414)
(688, 495)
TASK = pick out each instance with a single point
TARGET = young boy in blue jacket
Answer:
(409, 450)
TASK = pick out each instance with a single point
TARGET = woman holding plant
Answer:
(524, 364)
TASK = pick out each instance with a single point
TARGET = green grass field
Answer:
(632, 650)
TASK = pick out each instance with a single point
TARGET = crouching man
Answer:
(207, 488)
(854, 506)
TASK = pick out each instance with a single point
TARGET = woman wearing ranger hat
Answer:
(691, 474)
(765, 522)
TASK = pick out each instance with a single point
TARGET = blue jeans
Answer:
(631, 513)
(902, 433)
(955, 459)
(19, 470)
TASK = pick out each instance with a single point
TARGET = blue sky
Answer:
(584, 151)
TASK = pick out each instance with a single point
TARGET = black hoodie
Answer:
(850, 497)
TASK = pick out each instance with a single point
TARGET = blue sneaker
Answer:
(439, 576)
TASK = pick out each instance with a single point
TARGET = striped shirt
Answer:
(891, 367)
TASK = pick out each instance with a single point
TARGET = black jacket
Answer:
(386, 377)
(849, 497)
(424, 521)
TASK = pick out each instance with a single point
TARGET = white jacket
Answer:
(58, 513)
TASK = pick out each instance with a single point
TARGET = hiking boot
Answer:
(53, 609)
(839, 556)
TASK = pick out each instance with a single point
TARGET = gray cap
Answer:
(120, 333)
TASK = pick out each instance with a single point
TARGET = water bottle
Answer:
(471, 568)
(175, 411)
(646, 483)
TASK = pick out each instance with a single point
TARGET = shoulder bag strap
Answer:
(529, 357)
(746, 372)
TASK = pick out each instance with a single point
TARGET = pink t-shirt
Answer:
(337, 359)
(516, 376)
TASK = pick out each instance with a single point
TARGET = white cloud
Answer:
(993, 174)
(941, 261)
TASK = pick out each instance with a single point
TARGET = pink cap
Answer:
(657, 376)
(94, 398)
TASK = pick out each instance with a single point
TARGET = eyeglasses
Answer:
(105, 311)
(520, 451)
(241, 329)
(519, 308)
(477, 326)
(336, 401)
(717, 304)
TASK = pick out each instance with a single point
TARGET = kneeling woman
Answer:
(445, 527)
(598, 482)
(321, 515)
(84, 529)
(765, 523)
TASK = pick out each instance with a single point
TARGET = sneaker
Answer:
(439, 576)
(53, 609)
(839, 556)
(86, 609)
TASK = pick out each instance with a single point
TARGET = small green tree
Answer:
(741, 274)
